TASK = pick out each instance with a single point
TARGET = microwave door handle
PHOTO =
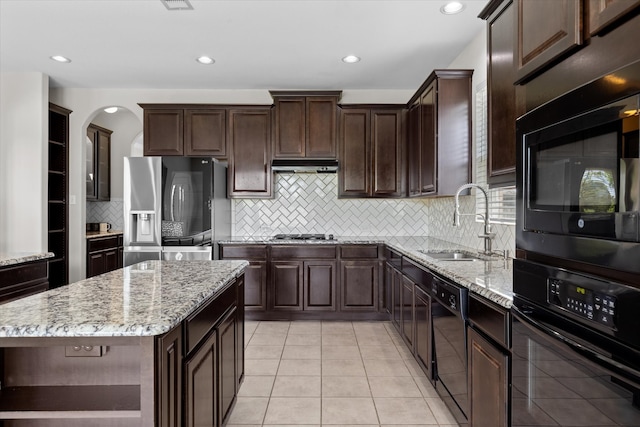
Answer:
(605, 362)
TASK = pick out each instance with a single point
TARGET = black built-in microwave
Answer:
(578, 177)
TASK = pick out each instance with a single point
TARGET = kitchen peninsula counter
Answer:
(101, 348)
(491, 277)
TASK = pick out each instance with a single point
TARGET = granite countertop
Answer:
(491, 278)
(145, 299)
(94, 234)
(12, 258)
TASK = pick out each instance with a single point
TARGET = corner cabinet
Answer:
(372, 152)
(249, 136)
(439, 145)
(305, 124)
(58, 218)
(98, 163)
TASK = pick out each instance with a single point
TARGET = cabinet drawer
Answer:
(257, 252)
(490, 318)
(303, 251)
(198, 325)
(101, 243)
(359, 251)
(23, 273)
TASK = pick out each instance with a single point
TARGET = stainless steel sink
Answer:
(451, 256)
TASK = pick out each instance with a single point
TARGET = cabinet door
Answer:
(407, 310)
(249, 135)
(414, 153)
(501, 160)
(422, 344)
(319, 285)
(290, 124)
(388, 289)
(205, 133)
(227, 364)
(359, 285)
(488, 382)
(321, 127)
(255, 293)
(546, 31)
(396, 285)
(387, 151)
(169, 378)
(428, 147)
(91, 166)
(286, 282)
(103, 165)
(163, 132)
(96, 264)
(200, 393)
(355, 153)
(240, 332)
(111, 259)
(603, 13)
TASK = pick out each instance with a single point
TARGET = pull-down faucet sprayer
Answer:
(487, 235)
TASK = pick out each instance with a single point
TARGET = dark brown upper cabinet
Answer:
(98, 171)
(439, 144)
(371, 152)
(184, 130)
(501, 92)
(546, 31)
(604, 13)
(305, 124)
(249, 136)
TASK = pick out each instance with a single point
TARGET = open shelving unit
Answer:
(58, 188)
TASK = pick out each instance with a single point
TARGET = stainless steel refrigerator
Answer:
(174, 208)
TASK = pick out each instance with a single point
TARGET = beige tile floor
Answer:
(309, 373)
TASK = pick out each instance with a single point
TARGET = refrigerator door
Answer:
(136, 254)
(142, 201)
(186, 253)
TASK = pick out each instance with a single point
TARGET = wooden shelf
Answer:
(57, 143)
(101, 401)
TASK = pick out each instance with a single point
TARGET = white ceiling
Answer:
(259, 44)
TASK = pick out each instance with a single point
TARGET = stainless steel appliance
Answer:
(296, 236)
(174, 208)
(576, 349)
(449, 317)
(578, 178)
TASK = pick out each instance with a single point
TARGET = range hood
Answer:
(305, 165)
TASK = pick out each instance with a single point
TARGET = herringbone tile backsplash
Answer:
(308, 203)
(111, 212)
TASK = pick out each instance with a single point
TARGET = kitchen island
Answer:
(112, 350)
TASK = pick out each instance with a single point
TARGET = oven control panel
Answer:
(582, 301)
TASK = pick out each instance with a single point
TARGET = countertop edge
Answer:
(14, 258)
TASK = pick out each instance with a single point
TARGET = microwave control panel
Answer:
(582, 301)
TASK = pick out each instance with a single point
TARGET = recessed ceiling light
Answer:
(111, 110)
(60, 58)
(351, 59)
(206, 60)
(452, 8)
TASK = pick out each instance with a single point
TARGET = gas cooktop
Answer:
(302, 237)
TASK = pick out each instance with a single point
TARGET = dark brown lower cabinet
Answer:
(21, 280)
(422, 341)
(227, 340)
(286, 283)
(240, 333)
(255, 291)
(359, 283)
(488, 369)
(319, 285)
(396, 292)
(104, 254)
(169, 378)
(200, 384)
(407, 311)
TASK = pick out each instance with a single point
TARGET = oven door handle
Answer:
(605, 362)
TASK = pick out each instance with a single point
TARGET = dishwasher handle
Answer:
(613, 367)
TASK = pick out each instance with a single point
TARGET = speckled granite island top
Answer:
(492, 278)
(12, 258)
(144, 299)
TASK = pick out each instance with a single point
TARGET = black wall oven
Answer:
(578, 177)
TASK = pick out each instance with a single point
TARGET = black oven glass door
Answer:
(555, 384)
(583, 174)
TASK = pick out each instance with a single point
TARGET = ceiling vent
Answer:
(177, 4)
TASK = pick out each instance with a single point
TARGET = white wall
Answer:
(24, 124)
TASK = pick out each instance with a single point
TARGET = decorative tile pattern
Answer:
(111, 212)
(308, 203)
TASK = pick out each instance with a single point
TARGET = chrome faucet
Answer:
(487, 235)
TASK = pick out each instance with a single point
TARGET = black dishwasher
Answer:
(449, 316)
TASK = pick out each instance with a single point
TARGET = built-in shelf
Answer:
(85, 401)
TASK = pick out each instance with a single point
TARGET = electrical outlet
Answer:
(83, 351)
